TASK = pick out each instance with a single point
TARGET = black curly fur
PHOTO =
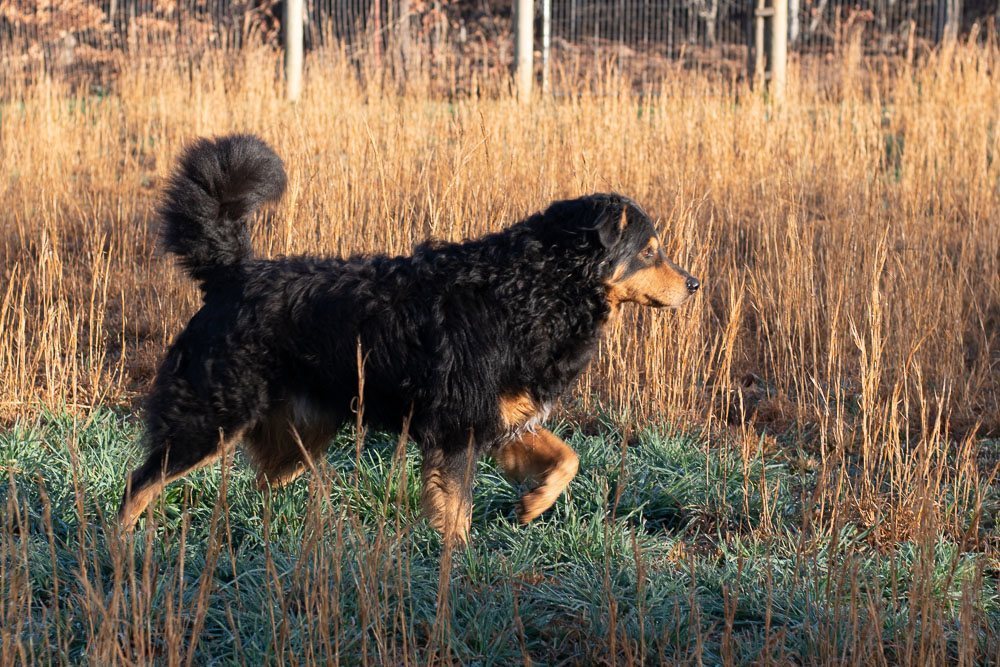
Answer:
(444, 333)
(217, 185)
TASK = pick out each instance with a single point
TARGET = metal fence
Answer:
(720, 33)
(55, 34)
(149, 24)
(673, 26)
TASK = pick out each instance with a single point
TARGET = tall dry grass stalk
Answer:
(849, 245)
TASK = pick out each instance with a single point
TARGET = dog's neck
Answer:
(560, 317)
(549, 299)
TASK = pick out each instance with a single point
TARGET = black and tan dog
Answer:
(472, 342)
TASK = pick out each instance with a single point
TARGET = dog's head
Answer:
(637, 267)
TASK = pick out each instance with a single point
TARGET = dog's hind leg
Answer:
(446, 496)
(539, 455)
(270, 480)
(280, 443)
(166, 463)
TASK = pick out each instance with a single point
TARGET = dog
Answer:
(469, 343)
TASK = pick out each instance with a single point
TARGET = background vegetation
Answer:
(798, 466)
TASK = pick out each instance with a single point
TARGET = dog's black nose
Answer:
(692, 284)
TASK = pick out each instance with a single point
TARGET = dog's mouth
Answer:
(666, 302)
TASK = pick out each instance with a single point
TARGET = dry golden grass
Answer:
(849, 244)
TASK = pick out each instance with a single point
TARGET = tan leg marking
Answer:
(137, 502)
(543, 457)
(266, 480)
(445, 500)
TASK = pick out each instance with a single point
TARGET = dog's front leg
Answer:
(446, 497)
(542, 456)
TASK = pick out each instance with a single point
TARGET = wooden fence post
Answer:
(546, 43)
(293, 48)
(524, 38)
(779, 47)
(770, 48)
(758, 60)
(947, 20)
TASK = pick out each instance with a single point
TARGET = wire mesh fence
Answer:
(53, 35)
(719, 30)
(675, 25)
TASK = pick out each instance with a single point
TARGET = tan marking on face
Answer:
(540, 456)
(517, 409)
(662, 283)
(617, 274)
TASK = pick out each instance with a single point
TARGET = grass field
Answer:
(657, 555)
(798, 467)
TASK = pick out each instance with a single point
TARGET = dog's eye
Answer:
(648, 253)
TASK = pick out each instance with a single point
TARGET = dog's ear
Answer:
(610, 227)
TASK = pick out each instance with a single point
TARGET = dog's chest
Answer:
(519, 413)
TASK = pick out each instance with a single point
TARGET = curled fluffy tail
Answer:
(218, 184)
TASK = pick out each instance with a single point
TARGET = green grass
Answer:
(676, 551)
